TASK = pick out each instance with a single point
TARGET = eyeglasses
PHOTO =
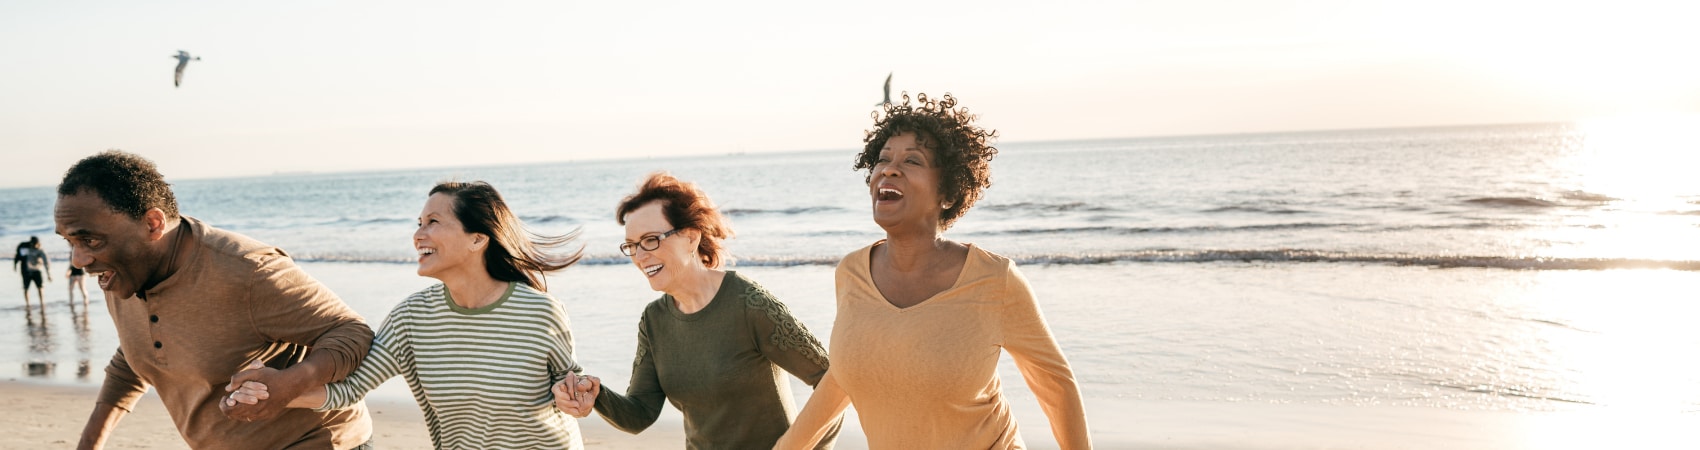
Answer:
(648, 243)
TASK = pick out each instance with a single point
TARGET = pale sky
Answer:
(374, 85)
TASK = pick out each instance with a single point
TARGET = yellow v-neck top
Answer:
(926, 376)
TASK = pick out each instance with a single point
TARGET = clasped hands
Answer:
(258, 393)
(576, 394)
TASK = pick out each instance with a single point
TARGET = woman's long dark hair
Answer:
(515, 254)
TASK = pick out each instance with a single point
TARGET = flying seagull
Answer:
(182, 61)
(887, 91)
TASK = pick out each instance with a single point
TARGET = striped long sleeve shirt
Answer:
(482, 376)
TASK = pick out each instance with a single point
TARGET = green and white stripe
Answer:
(482, 376)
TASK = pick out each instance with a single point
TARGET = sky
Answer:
(326, 86)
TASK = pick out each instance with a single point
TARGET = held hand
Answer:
(589, 387)
(246, 395)
(576, 395)
(251, 392)
(566, 395)
(259, 393)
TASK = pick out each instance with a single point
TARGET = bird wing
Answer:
(177, 80)
(887, 90)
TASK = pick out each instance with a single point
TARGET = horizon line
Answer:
(280, 173)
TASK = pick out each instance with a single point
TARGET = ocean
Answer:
(1505, 286)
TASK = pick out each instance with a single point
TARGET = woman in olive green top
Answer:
(714, 343)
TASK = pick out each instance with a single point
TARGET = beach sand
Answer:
(41, 415)
(52, 416)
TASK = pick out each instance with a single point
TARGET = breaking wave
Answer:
(1513, 202)
(1565, 199)
(1278, 256)
(786, 211)
(1317, 256)
(1256, 209)
(1145, 230)
(1043, 207)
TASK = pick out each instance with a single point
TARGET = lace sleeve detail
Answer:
(788, 333)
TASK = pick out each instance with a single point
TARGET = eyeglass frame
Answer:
(626, 248)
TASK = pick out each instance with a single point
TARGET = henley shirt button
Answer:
(156, 344)
(154, 319)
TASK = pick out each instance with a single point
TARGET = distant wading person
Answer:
(481, 350)
(921, 318)
(73, 286)
(193, 304)
(32, 263)
(715, 342)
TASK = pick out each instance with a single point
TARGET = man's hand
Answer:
(260, 393)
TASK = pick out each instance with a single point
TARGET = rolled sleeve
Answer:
(122, 387)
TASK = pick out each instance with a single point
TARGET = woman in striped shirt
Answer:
(481, 350)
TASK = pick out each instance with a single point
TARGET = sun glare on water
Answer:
(1641, 171)
(1642, 159)
(1627, 360)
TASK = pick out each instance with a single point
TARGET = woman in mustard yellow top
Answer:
(921, 318)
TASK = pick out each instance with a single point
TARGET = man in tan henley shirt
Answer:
(193, 304)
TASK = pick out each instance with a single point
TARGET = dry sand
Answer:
(52, 416)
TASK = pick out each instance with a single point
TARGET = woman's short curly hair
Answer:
(962, 150)
(686, 207)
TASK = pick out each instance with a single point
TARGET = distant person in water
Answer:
(481, 350)
(193, 304)
(715, 343)
(32, 263)
(73, 286)
(921, 318)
